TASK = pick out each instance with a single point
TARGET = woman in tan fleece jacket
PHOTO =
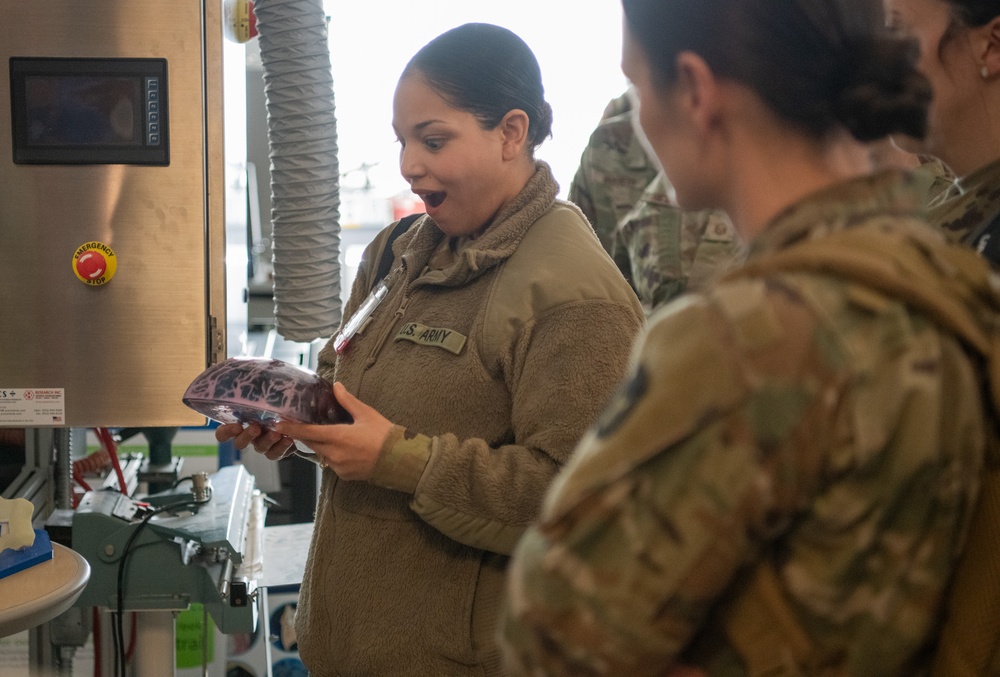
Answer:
(503, 332)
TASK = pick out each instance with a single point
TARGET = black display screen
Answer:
(70, 110)
(89, 111)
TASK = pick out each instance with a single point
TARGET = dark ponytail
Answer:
(819, 64)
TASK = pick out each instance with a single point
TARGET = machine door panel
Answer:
(125, 349)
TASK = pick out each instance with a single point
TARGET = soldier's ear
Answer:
(514, 127)
(699, 92)
(986, 46)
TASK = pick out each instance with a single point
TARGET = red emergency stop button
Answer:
(91, 265)
(94, 263)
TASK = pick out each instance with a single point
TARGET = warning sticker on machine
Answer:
(32, 406)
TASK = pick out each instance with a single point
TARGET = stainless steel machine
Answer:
(123, 170)
(123, 175)
(115, 175)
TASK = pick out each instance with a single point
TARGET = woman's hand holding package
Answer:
(350, 450)
(273, 445)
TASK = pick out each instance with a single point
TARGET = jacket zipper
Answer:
(392, 323)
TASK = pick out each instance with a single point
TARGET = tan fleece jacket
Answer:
(492, 368)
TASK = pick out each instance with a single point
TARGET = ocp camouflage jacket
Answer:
(963, 216)
(798, 418)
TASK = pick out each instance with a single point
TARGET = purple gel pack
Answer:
(263, 391)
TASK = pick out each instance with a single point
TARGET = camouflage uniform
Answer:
(800, 419)
(660, 249)
(965, 217)
(669, 250)
(936, 180)
(617, 106)
(614, 170)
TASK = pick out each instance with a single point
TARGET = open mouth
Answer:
(434, 200)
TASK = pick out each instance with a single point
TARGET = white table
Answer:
(43, 591)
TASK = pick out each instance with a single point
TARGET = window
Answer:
(578, 46)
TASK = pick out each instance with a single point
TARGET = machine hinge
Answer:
(217, 350)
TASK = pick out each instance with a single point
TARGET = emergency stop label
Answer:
(32, 406)
(94, 263)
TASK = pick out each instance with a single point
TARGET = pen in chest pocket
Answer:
(360, 316)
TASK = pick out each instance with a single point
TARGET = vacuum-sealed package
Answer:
(263, 391)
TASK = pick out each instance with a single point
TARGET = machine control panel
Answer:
(153, 111)
(89, 111)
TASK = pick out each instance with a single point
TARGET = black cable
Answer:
(182, 479)
(114, 638)
(117, 629)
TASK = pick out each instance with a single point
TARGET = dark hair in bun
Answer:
(975, 12)
(488, 71)
(820, 64)
(966, 14)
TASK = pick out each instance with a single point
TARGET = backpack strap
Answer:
(385, 261)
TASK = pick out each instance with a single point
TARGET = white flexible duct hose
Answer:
(302, 137)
